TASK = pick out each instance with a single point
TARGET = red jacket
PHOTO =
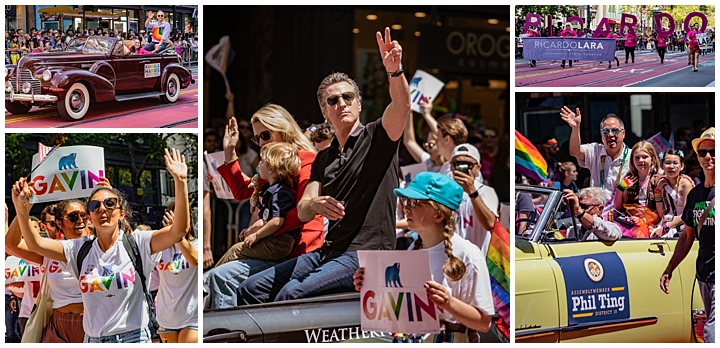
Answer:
(312, 234)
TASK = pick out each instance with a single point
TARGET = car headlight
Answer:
(46, 75)
(26, 88)
(8, 87)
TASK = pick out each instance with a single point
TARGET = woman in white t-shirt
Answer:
(66, 322)
(116, 306)
(462, 282)
(177, 296)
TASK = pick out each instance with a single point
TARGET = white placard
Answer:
(409, 172)
(213, 161)
(393, 297)
(68, 172)
(423, 88)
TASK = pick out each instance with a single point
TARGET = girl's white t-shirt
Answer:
(177, 297)
(111, 290)
(62, 285)
(474, 287)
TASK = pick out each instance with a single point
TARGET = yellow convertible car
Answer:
(597, 291)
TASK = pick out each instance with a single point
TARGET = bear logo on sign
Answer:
(67, 162)
(392, 276)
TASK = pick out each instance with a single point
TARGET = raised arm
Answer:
(21, 193)
(429, 119)
(14, 245)
(166, 237)
(150, 15)
(409, 139)
(207, 231)
(573, 120)
(393, 119)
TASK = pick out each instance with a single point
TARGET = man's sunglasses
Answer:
(50, 223)
(703, 153)
(584, 206)
(412, 203)
(614, 131)
(265, 136)
(348, 97)
(75, 217)
(109, 203)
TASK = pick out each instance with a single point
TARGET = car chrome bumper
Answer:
(33, 98)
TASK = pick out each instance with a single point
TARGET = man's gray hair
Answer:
(611, 115)
(595, 193)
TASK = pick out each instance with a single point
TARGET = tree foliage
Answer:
(564, 11)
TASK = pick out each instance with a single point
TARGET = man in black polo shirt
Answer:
(351, 184)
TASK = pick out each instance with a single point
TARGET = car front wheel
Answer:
(17, 107)
(172, 89)
(75, 104)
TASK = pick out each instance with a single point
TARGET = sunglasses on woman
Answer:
(411, 202)
(75, 217)
(348, 97)
(429, 146)
(265, 136)
(109, 203)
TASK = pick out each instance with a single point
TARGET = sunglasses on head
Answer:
(50, 223)
(348, 97)
(75, 217)
(411, 202)
(429, 146)
(703, 152)
(265, 136)
(109, 203)
(615, 131)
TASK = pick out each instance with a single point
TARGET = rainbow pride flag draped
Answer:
(498, 262)
(528, 161)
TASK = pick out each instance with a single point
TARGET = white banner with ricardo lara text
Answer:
(393, 297)
(68, 172)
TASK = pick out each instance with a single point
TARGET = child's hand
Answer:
(358, 278)
(438, 294)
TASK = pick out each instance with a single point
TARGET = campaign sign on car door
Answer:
(393, 297)
(596, 287)
(67, 172)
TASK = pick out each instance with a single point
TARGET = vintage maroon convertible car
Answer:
(99, 70)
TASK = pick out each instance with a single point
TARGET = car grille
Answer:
(22, 76)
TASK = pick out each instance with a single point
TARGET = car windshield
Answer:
(75, 44)
(529, 205)
(98, 44)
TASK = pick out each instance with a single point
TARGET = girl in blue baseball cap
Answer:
(461, 285)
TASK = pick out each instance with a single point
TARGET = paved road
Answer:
(645, 72)
(140, 113)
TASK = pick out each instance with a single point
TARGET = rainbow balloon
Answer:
(528, 160)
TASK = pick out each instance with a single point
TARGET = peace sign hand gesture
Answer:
(390, 51)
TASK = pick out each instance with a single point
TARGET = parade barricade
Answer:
(557, 48)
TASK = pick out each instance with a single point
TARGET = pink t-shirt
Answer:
(692, 39)
(630, 40)
(662, 40)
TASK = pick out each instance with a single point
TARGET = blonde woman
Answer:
(461, 286)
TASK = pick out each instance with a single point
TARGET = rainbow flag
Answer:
(221, 55)
(660, 144)
(498, 262)
(528, 161)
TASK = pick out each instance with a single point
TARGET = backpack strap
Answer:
(82, 254)
(134, 252)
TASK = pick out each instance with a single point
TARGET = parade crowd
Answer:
(324, 192)
(19, 43)
(662, 187)
(102, 277)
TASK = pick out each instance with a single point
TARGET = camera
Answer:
(463, 168)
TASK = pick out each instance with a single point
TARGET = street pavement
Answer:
(645, 72)
(140, 113)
